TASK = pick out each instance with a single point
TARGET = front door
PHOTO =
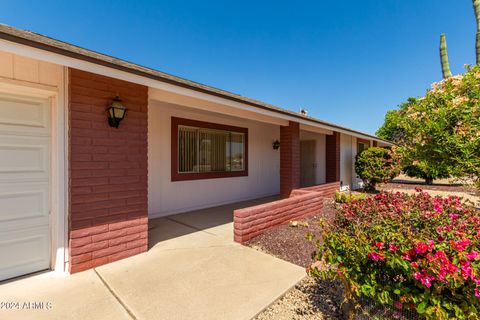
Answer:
(24, 185)
(308, 165)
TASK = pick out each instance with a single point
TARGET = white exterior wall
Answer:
(356, 181)
(166, 197)
(347, 160)
(319, 153)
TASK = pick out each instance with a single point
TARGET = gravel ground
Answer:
(290, 243)
(437, 189)
(307, 300)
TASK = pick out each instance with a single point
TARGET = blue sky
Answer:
(346, 62)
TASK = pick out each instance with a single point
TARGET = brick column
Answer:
(332, 157)
(289, 158)
(108, 217)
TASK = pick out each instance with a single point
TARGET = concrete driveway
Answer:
(193, 270)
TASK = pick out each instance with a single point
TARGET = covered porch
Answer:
(190, 167)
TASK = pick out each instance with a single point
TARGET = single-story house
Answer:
(80, 178)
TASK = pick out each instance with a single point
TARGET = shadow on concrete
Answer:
(173, 226)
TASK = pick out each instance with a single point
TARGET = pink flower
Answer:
(460, 245)
(453, 216)
(393, 248)
(414, 265)
(427, 281)
(477, 293)
(398, 305)
(472, 255)
(379, 245)
(466, 269)
(424, 278)
(375, 256)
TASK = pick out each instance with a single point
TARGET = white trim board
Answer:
(39, 54)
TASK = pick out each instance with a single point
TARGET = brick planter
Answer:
(253, 221)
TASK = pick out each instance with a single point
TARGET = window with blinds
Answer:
(204, 150)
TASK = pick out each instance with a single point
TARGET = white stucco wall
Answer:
(347, 159)
(319, 153)
(166, 197)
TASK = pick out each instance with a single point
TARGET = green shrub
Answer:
(413, 252)
(375, 165)
(348, 197)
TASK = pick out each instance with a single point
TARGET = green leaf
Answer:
(421, 307)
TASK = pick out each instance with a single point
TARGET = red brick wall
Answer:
(289, 158)
(332, 157)
(253, 221)
(108, 217)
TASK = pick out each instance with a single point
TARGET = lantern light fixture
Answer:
(116, 112)
(276, 145)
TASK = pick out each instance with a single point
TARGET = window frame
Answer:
(179, 176)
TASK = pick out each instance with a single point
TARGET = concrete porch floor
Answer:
(193, 270)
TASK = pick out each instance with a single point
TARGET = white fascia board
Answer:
(59, 59)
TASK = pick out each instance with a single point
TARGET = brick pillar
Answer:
(289, 158)
(332, 157)
(108, 217)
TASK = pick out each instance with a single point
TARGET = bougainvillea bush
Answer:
(413, 252)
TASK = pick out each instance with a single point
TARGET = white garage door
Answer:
(24, 185)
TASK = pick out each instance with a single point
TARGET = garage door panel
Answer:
(24, 158)
(26, 207)
(24, 251)
(24, 185)
(31, 114)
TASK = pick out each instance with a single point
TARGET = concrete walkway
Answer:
(193, 270)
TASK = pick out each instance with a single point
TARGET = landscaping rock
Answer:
(308, 300)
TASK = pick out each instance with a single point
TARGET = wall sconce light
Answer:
(276, 145)
(116, 112)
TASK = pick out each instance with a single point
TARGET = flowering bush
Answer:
(439, 134)
(409, 251)
(375, 165)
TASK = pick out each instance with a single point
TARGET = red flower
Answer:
(422, 247)
(379, 245)
(409, 255)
